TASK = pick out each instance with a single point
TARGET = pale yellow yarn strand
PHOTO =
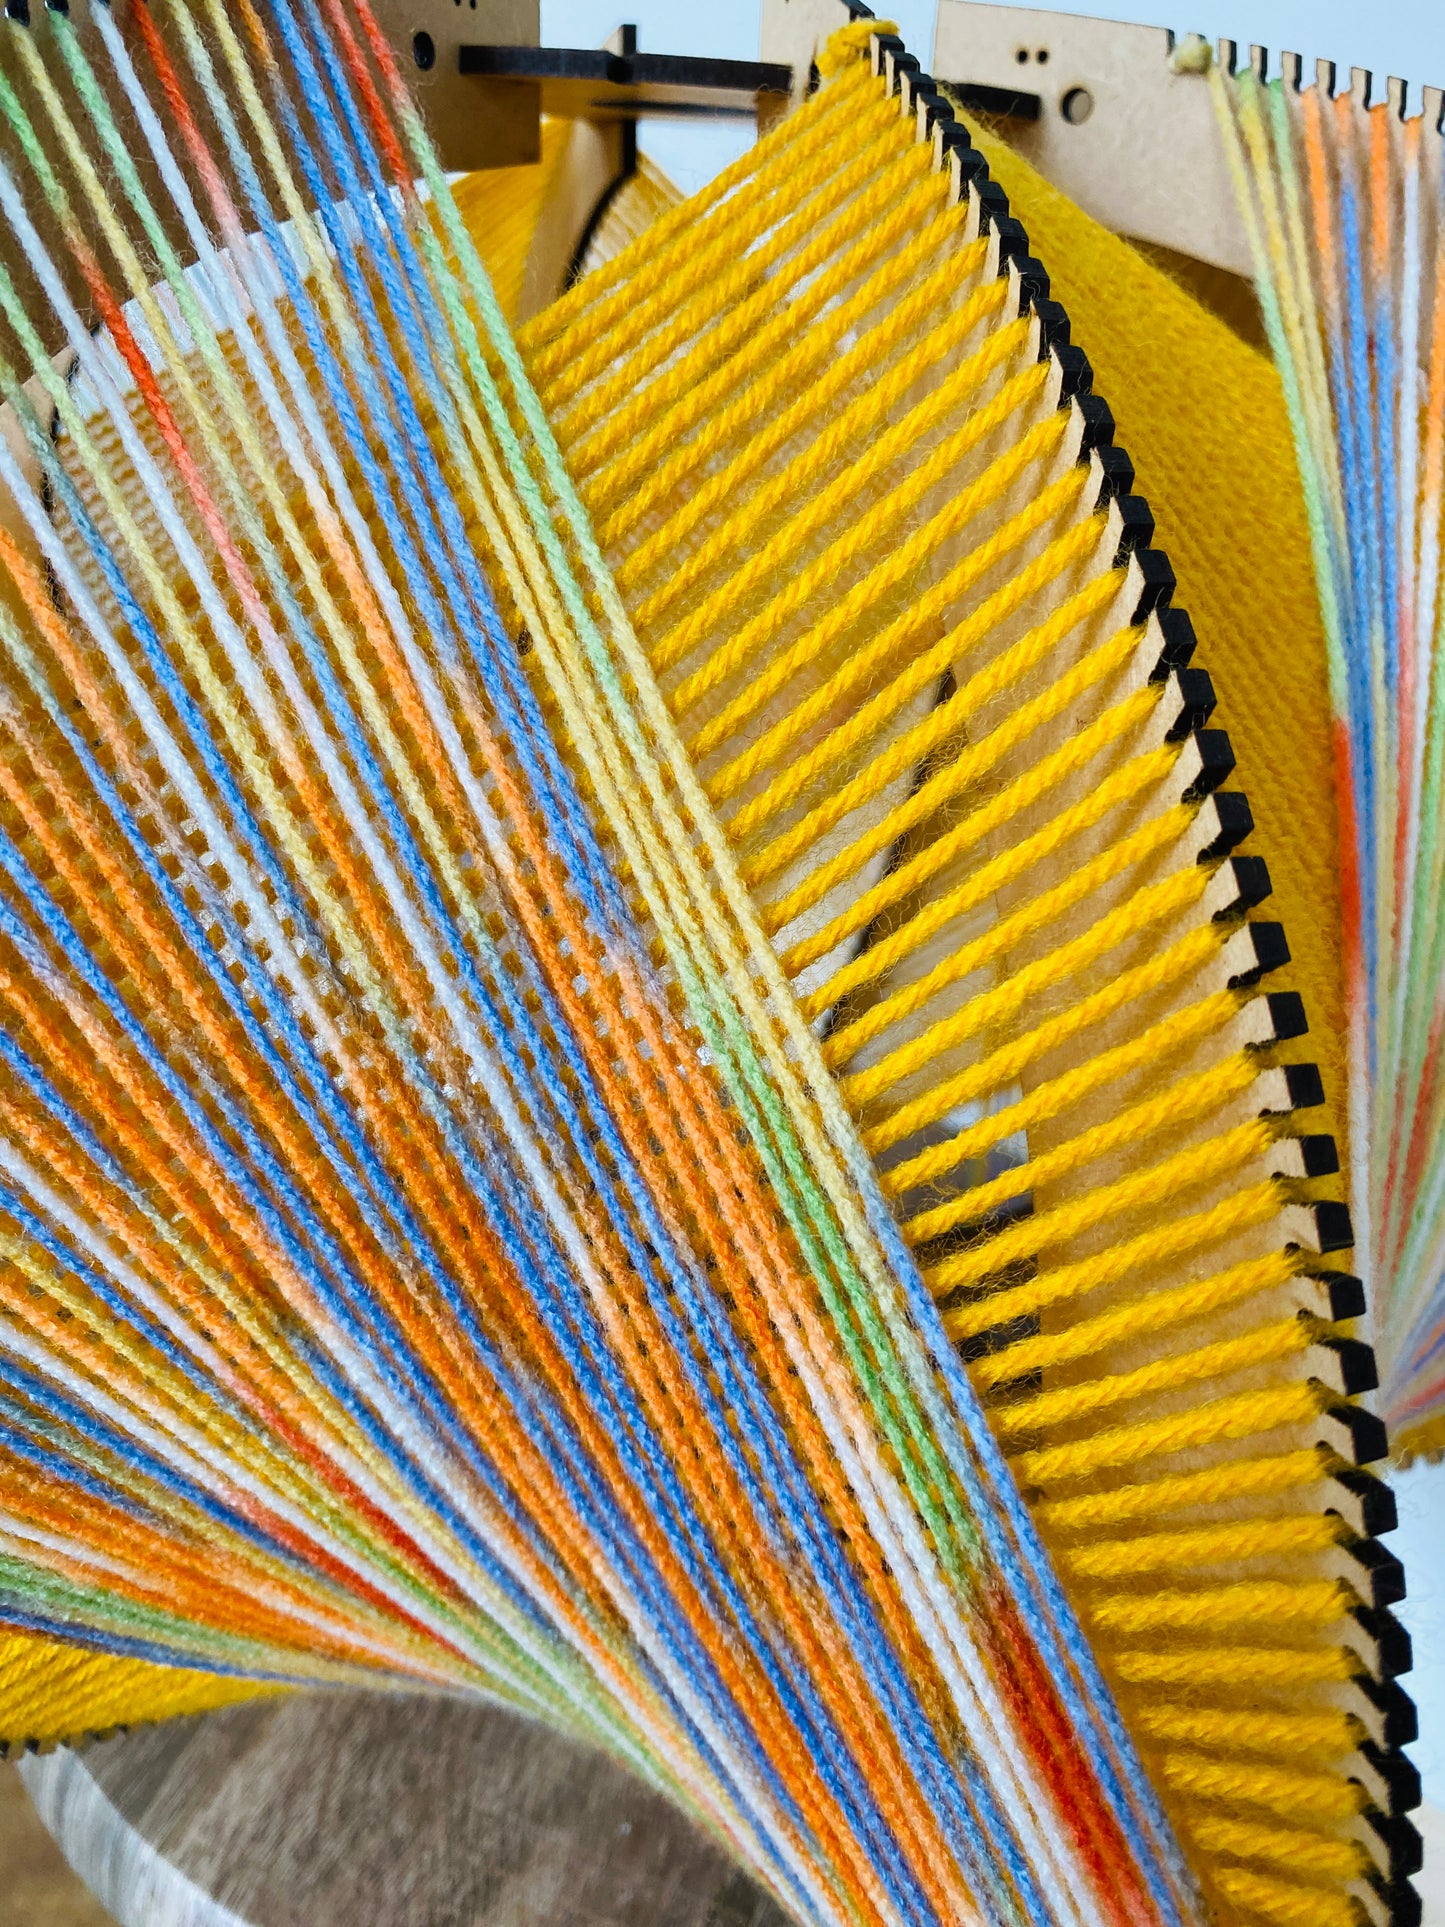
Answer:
(1175, 1241)
(874, 656)
(1061, 554)
(671, 448)
(1010, 931)
(1190, 1098)
(632, 274)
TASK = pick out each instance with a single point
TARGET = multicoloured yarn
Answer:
(1343, 204)
(634, 1065)
(904, 608)
(436, 1253)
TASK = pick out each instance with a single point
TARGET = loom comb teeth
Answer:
(672, 1027)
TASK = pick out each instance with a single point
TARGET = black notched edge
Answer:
(1389, 1637)
(1373, 1497)
(1407, 1909)
(1194, 691)
(1097, 420)
(992, 204)
(1157, 591)
(1180, 641)
(1271, 952)
(1234, 822)
(1382, 1570)
(1320, 1156)
(1355, 1362)
(1053, 325)
(1305, 1086)
(1399, 1773)
(1346, 1294)
(1231, 820)
(1116, 470)
(1399, 1837)
(1136, 526)
(1252, 884)
(1398, 1717)
(1334, 1230)
(1286, 1015)
(1216, 760)
(1369, 1446)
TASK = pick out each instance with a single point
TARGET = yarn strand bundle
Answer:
(637, 1072)
(435, 1252)
(1342, 201)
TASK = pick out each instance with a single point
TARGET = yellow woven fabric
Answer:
(1203, 415)
(51, 1692)
(502, 206)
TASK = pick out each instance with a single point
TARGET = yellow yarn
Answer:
(1265, 1345)
(723, 272)
(1319, 1797)
(865, 420)
(1156, 1311)
(1203, 415)
(1420, 1442)
(999, 1069)
(635, 273)
(1005, 868)
(1238, 1417)
(964, 770)
(1047, 1100)
(1205, 1545)
(880, 651)
(647, 475)
(1152, 904)
(1223, 1669)
(51, 1692)
(1303, 1607)
(845, 44)
(914, 746)
(1241, 1478)
(1326, 1735)
(1177, 1240)
(682, 388)
(1315, 1856)
(1139, 774)
(1285, 1905)
(1011, 931)
(867, 529)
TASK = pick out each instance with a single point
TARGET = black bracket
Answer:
(593, 83)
